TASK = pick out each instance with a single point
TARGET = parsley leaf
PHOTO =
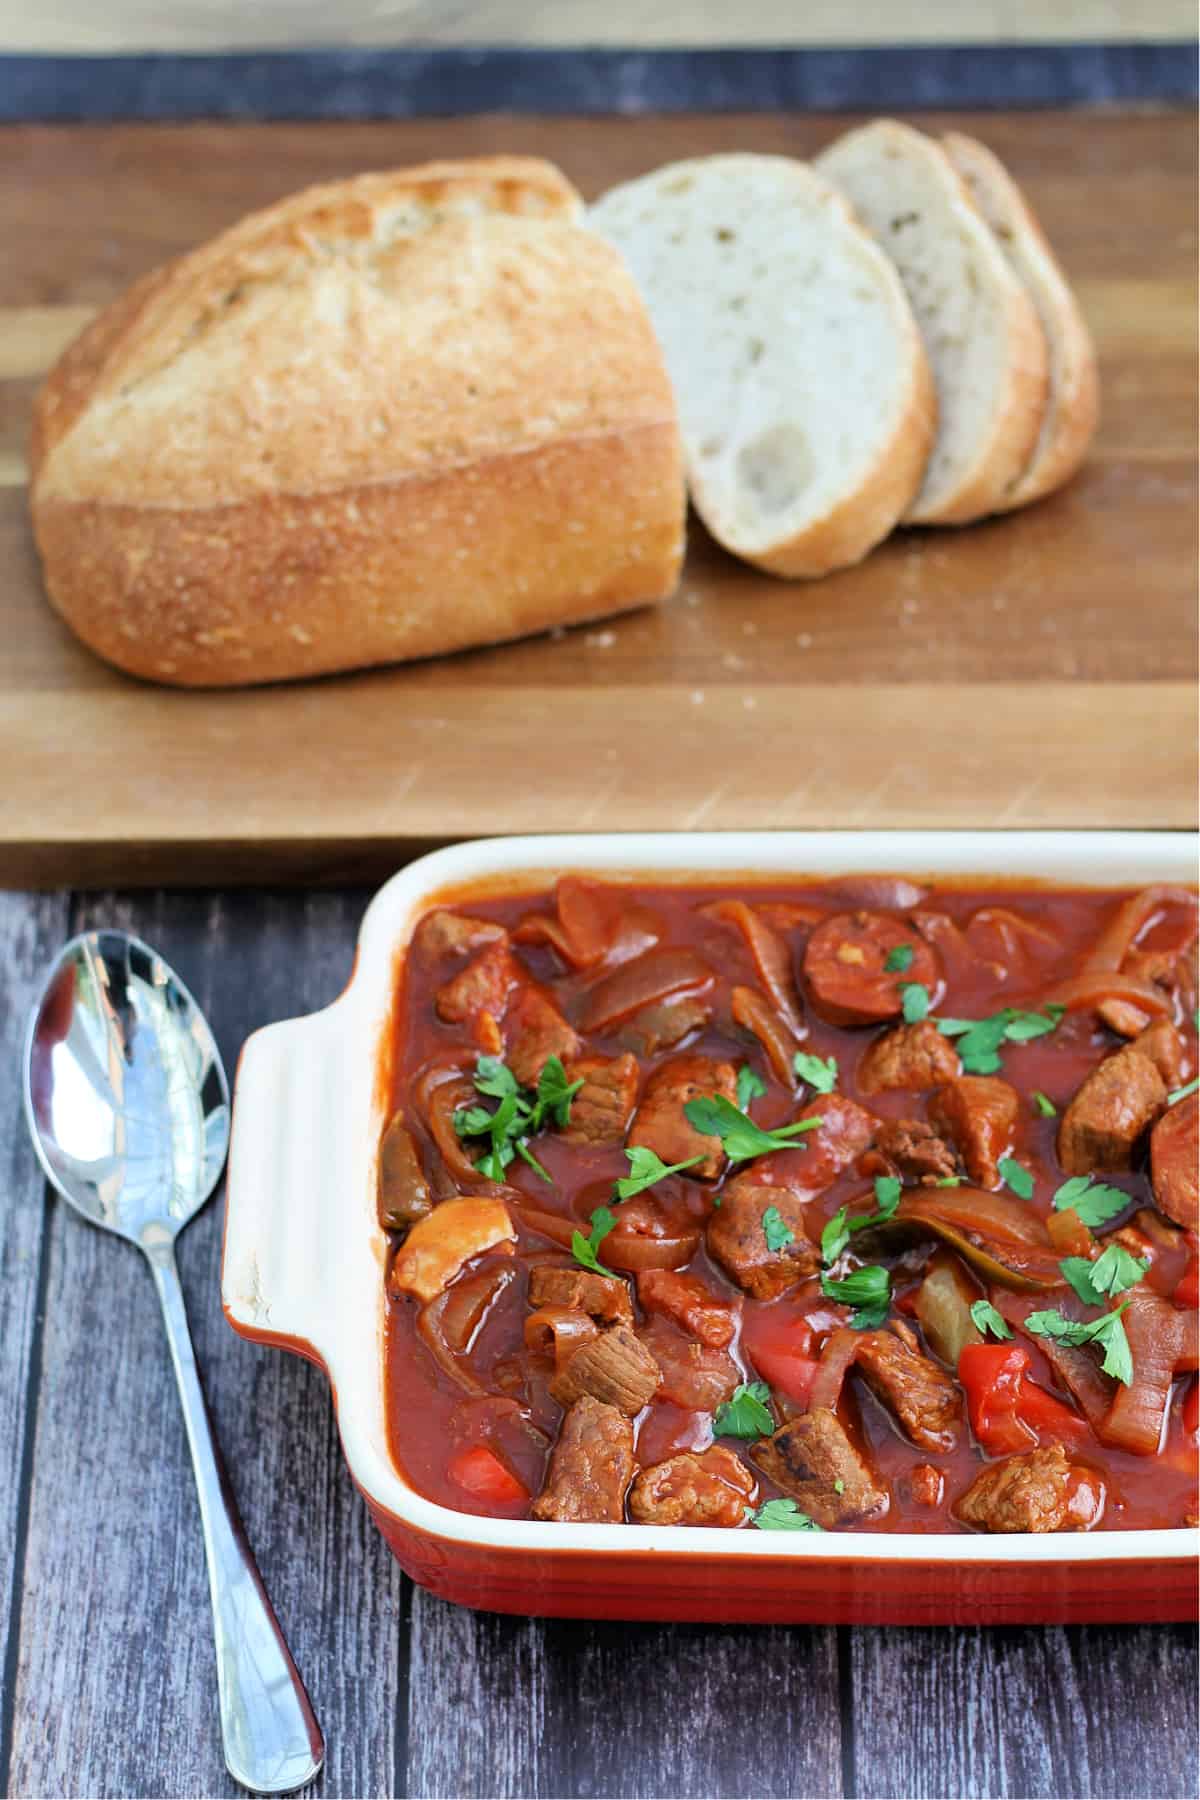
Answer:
(776, 1231)
(750, 1086)
(836, 1234)
(868, 1289)
(782, 1515)
(715, 1116)
(1107, 1330)
(887, 1197)
(1046, 1107)
(1113, 1271)
(1016, 1176)
(495, 1078)
(519, 1113)
(1181, 1093)
(948, 1181)
(645, 1168)
(987, 1319)
(980, 1039)
(820, 1072)
(897, 961)
(554, 1094)
(914, 1001)
(523, 1150)
(1095, 1203)
(584, 1249)
(746, 1414)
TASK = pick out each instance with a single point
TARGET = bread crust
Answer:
(387, 418)
(1073, 410)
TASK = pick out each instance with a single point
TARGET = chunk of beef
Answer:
(814, 1462)
(482, 987)
(665, 1024)
(444, 933)
(615, 1367)
(736, 1239)
(1163, 1043)
(591, 1466)
(926, 1485)
(535, 1029)
(695, 1376)
(979, 1114)
(911, 1149)
(402, 1192)
(1174, 1159)
(924, 1399)
(604, 1297)
(660, 1123)
(600, 1110)
(911, 1056)
(1039, 1490)
(687, 1301)
(712, 1488)
(1117, 1102)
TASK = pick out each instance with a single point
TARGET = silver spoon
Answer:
(128, 1105)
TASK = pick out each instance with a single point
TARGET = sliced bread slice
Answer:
(980, 327)
(1074, 401)
(805, 398)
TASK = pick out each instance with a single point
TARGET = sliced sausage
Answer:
(603, 1297)
(911, 1056)
(814, 1462)
(660, 1124)
(600, 1110)
(535, 1030)
(736, 1239)
(1039, 1490)
(1174, 1158)
(979, 1112)
(591, 1466)
(712, 1488)
(1118, 1101)
(692, 1306)
(402, 1192)
(614, 1367)
(844, 967)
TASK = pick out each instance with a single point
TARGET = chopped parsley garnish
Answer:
(1113, 1271)
(868, 1290)
(1093, 1201)
(776, 1231)
(979, 1040)
(746, 1414)
(741, 1138)
(527, 1155)
(584, 1249)
(521, 1113)
(1016, 1176)
(645, 1168)
(1107, 1331)
(1046, 1107)
(986, 1319)
(554, 1095)
(839, 1486)
(897, 961)
(782, 1515)
(914, 1001)
(948, 1181)
(750, 1086)
(836, 1234)
(1181, 1093)
(820, 1072)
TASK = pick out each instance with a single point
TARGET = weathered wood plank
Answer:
(115, 1690)
(30, 930)
(1086, 1711)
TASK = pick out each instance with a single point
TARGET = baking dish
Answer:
(304, 1262)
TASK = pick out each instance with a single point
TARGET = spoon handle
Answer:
(273, 1744)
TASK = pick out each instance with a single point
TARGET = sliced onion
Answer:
(1162, 1344)
(1000, 1238)
(441, 1089)
(595, 924)
(647, 1237)
(770, 955)
(751, 1011)
(892, 891)
(558, 1331)
(640, 983)
(468, 1303)
(548, 1225)
(945, 935)
(1131, 919)
(837, 1357)
(1096, 985)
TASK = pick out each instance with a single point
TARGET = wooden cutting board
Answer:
(1036, 670)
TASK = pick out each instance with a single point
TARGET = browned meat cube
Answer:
(615, 1367)
(402, 1192)
(911, 1149)
(979, 1113)
(736, 1239)
(591, 1466)
(911, 1056)
(660, 1124)
(926, 1485)
(665, 1024)
(1038, 1490)
(712, 1488)
(924, 1399)
(843, 1134)
(694, 1375)
(1174, 1156)
(1117, 1102)
(600, 1110)
(535, 1029)
(482, 987)
(1163, 1043)
(687, 1301)
(604, 1297)
(445, 933)
(814, 1462)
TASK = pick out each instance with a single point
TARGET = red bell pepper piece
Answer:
(1008, 1411)
(1187, 1288)
(779, 1344)
(480, 1472)
(1189, 1412)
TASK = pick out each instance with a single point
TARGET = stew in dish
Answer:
(855, 1204)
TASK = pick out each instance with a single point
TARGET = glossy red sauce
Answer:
(431, 1417)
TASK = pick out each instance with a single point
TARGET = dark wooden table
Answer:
(108, 1668)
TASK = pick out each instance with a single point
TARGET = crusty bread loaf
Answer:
(981, 329)
(1074, 401)
(388, 417)
(805, 398)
